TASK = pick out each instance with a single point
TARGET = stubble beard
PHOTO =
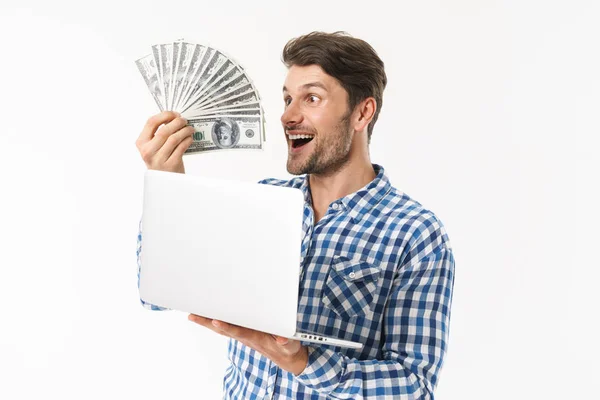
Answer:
(331, 152)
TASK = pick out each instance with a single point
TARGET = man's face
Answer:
(316, 105)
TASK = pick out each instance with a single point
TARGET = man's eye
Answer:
(312, 98)
(287, 101)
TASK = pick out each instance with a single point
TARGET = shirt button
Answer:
(352, 275)
(335, 206)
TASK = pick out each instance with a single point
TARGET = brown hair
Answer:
(352, 61)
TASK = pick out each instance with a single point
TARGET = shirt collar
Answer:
(359, 203)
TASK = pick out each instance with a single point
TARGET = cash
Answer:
(208, 88)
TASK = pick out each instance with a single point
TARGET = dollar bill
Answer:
(227, 91)
(186, 54)
(229, 79)
(226, 132)
(175, 54)
(194, 78)
(211, 90)
(167, 59)
(235, 107)
(213, 65)
(200, 56)
(225, 70)
(147, 68)
(248, 97)
(163, 58)
(233, 112)
(156, 56)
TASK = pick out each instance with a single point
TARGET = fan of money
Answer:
(210, 90)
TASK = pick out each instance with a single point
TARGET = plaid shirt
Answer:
(378, 269)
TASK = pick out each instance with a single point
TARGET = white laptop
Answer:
(226, 250)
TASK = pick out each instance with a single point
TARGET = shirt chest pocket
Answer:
(350, 287)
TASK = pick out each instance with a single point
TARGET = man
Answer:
(376, 266)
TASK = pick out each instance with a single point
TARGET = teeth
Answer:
(294, 137)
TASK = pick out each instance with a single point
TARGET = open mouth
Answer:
(297, 143)
(300, 140)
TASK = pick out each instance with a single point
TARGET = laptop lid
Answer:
(222, 249)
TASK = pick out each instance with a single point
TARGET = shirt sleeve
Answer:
(139, 270)
(416, 324)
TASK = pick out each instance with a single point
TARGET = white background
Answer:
(490, 119)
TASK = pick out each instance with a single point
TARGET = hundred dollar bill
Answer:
(194, 79)
(226, 81)
(234, 88)
(147, 68)
(213, 65)
(226, 132)
(234, 112)
(163, 58)
(227, 69)
(200, 57)
(175, 53)
(248, 97)
(167, 67)
(235, 107)
(186, 55)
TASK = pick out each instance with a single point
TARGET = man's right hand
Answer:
(162, 149)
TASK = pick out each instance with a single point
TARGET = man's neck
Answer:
(327, 188)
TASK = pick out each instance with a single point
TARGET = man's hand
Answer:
(288, 354)
(163, 150)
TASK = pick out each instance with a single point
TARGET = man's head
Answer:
(333, 90)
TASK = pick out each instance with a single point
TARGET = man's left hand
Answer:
(288, 354)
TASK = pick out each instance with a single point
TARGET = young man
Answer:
(376, 267)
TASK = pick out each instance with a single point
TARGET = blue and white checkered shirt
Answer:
(378, 269)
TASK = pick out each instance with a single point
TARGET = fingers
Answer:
(182, 146)
(205, 322)
(157, 151)
(161, 137)
(152, 125)
(271, 346)
(174, 135)
(236, 332)
(244, 335)
(281, 340)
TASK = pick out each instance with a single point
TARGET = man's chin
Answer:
(296, 168)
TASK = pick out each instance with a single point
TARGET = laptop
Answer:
(226, 250)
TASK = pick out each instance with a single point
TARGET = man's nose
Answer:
(292, 115)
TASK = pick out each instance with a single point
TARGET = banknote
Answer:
(210, 89)
(213, 65)
(233, 107)
(226, 81)
(231, 112)
(226, 132)
(200, 57)
(227, 91)
(186, 57)
(147, 68)
(163, 58)
(247, 97)
(175, 52)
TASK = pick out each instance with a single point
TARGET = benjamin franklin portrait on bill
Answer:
(225, 133)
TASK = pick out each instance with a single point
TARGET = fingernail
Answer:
(216, 323)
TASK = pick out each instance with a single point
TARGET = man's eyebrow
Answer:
(309, 85)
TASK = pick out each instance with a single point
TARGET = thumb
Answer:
(281, 340)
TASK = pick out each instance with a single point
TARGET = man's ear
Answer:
(364, 112)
